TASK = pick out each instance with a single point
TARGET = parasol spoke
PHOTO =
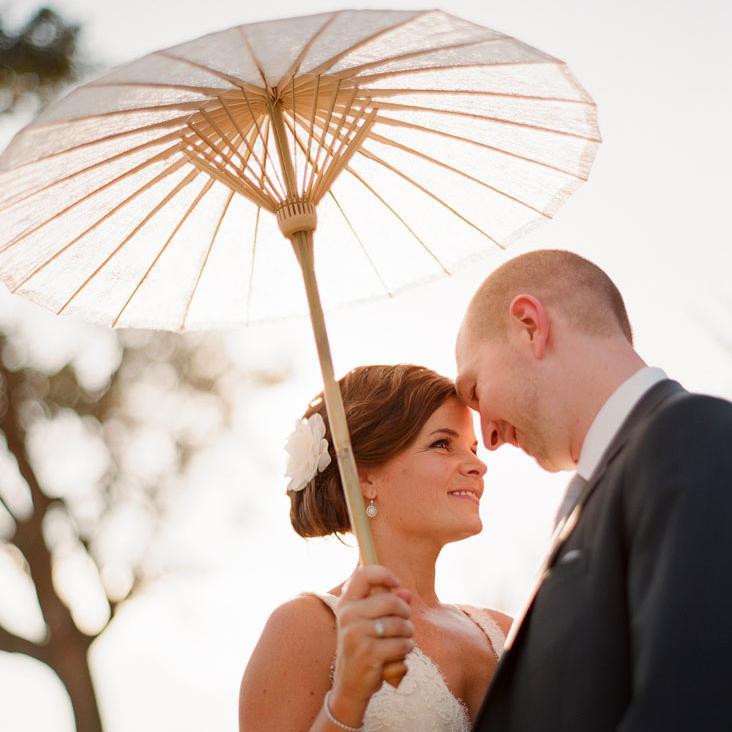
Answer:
(330, 152)
(321, 141)
(206, 188)
(337, 164)
(154, 181)
(205, 261)
(264, 178)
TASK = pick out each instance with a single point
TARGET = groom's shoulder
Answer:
(687, 430)
(691, 417)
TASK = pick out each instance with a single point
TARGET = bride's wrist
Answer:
(345, 708)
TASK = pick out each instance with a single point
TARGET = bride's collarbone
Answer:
(459, 648)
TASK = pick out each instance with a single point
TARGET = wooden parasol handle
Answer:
(302, 243)
(297, 221)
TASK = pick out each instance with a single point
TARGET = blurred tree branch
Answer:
(159, 391)
(37, 59)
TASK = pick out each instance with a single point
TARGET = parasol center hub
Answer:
(297, 215)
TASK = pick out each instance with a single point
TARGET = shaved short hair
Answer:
(562, 281)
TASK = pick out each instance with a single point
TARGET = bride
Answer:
(318, 663)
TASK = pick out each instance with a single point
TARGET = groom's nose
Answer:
(492, 435)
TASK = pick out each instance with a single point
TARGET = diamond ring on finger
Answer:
(379, 628)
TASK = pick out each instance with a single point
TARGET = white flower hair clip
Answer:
(308, 452)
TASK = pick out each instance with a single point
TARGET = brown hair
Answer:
(386, 407)
(570, 284)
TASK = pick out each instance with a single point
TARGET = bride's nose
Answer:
(474, 466)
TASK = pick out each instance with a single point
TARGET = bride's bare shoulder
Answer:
(299, 625)
(294, 652)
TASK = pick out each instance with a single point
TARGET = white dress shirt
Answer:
(611, 416)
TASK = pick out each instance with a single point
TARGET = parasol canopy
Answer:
(145, 197)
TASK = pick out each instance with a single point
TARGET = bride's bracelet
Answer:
(333, 720)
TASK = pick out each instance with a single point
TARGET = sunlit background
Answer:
(175, 473)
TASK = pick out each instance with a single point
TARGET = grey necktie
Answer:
(570, 497)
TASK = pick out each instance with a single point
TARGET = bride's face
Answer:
(433, 487)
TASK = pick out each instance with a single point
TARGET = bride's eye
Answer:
(444, 442)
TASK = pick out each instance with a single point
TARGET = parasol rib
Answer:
(295, 66)
(260, 69)
(361, 244)
(419, 186)
(208, 91)
(160, 176)
(352, 70)
(447, 166)
(154, 159)
(496, 120)
(399, 218)
(205, 261)
(251, 269)
(169, 196)
(333, 60)
(460, 138)
(447, 67)
(379, 92)
(29, 194)
(183, 106)
(206, 188)
(235, 82)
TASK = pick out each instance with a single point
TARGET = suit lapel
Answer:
(642, 411)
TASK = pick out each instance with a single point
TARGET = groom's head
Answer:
(536, 334)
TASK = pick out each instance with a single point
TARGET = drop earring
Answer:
(371, 510)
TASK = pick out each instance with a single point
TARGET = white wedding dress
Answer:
(423, 702)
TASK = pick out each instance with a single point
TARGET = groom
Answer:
(630, 627)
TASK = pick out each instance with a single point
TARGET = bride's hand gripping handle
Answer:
(374, 636)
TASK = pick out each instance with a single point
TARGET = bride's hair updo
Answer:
(386, 407)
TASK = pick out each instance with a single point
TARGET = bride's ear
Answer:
(368, 485)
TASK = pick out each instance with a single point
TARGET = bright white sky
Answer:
(654, 215)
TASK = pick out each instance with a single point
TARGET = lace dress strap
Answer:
(484, 620)
(328, 600)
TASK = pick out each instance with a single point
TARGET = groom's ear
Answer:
(529, 321)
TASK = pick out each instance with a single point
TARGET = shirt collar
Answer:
(611, 416)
